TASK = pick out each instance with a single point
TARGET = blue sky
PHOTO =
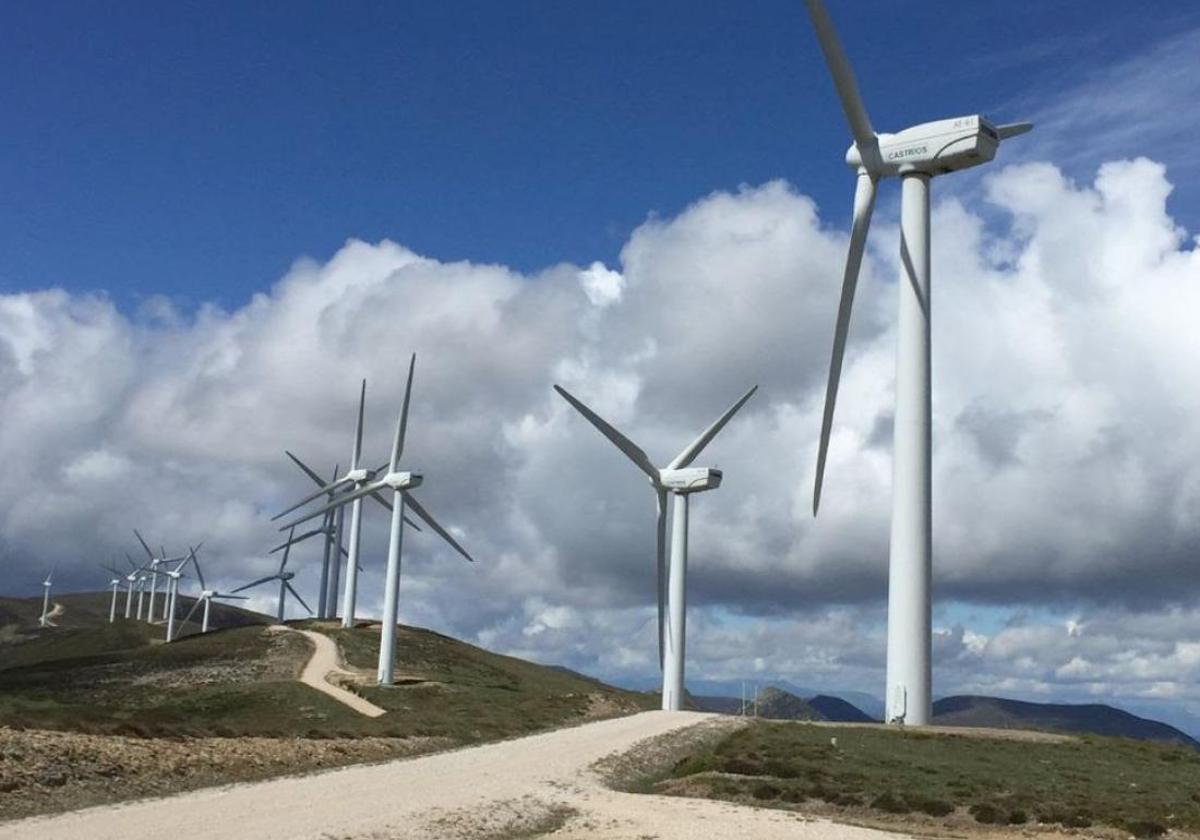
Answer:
(196, 150)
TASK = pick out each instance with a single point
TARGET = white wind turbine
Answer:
(131, 578)
(358, 477)
(400, 483)
(915, 155)
(331, 529)
(284, 576)
(680, 479)
(205, 598)
(172, 594)
(115, 583)
(44, 621)
(152, 566)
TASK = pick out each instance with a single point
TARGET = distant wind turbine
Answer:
(400, 483)
(681, 479)
(284, 576)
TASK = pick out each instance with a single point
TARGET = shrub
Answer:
(1146, 828)
(934, 807)
(988, 814)
(792, 795)
(765, 790)
(1017, 817)
(890, 803)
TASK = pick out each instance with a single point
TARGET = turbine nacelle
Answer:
(403, 480)
(358, 475)
(934, 148)
(689, 480)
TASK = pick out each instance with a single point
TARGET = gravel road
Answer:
(325, 661)
(525, 786)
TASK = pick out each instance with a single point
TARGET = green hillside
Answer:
(936, 782)
(241, 680)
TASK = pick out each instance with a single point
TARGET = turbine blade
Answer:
(661, 565)
(297, 596)
(256, 583)
(322, 490)
(337, 502)
(232, 597)
(864, 204)
(199, 574)
(438, 529)
(843, 76)
(358, 430)
(149, 553)
(287, 549)
(402, 424)
(292, 541)
(190, 612)
(694, 448)
(1010, 130)
(632, 451)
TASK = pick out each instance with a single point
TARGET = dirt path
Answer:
(325, 661)
(526, 786)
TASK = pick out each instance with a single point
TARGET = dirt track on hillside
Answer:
(531, 785)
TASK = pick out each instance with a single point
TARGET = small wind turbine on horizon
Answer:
(399, 483)
(680, 479)
(115, 583)
(206, 596)
(916, 155)
(284, 576)
(44, 621)
(152, 567)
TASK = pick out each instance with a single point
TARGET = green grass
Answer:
(449, 688)
(1127, 784)
(121, 678)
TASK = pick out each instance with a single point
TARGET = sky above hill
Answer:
(215, 221)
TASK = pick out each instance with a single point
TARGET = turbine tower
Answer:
(173, 576)
(400, 483)
(680, 479)
(44, 621)
(130, 579)
(284, 576)
(115, 583)
(915, 155)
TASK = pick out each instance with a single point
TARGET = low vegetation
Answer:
(877, 775)
(92, 712)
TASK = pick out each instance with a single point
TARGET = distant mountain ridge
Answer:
(1094, 718)
(775, 703)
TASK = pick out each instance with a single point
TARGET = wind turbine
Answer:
(680, 479)
(172, 594)
(45, 619)
(115, 583)
(155, 562)
(285, 581)
(915, 155)
(206, 596)
(400, 483)
(131, 579)
(359, 478)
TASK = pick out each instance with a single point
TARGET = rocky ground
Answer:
(44, 772)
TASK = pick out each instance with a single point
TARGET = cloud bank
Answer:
(1066, 466)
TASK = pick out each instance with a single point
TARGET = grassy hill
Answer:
(936, 783)
(94, 712)
(241, 680)
(774, 703)
(1094, 718)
